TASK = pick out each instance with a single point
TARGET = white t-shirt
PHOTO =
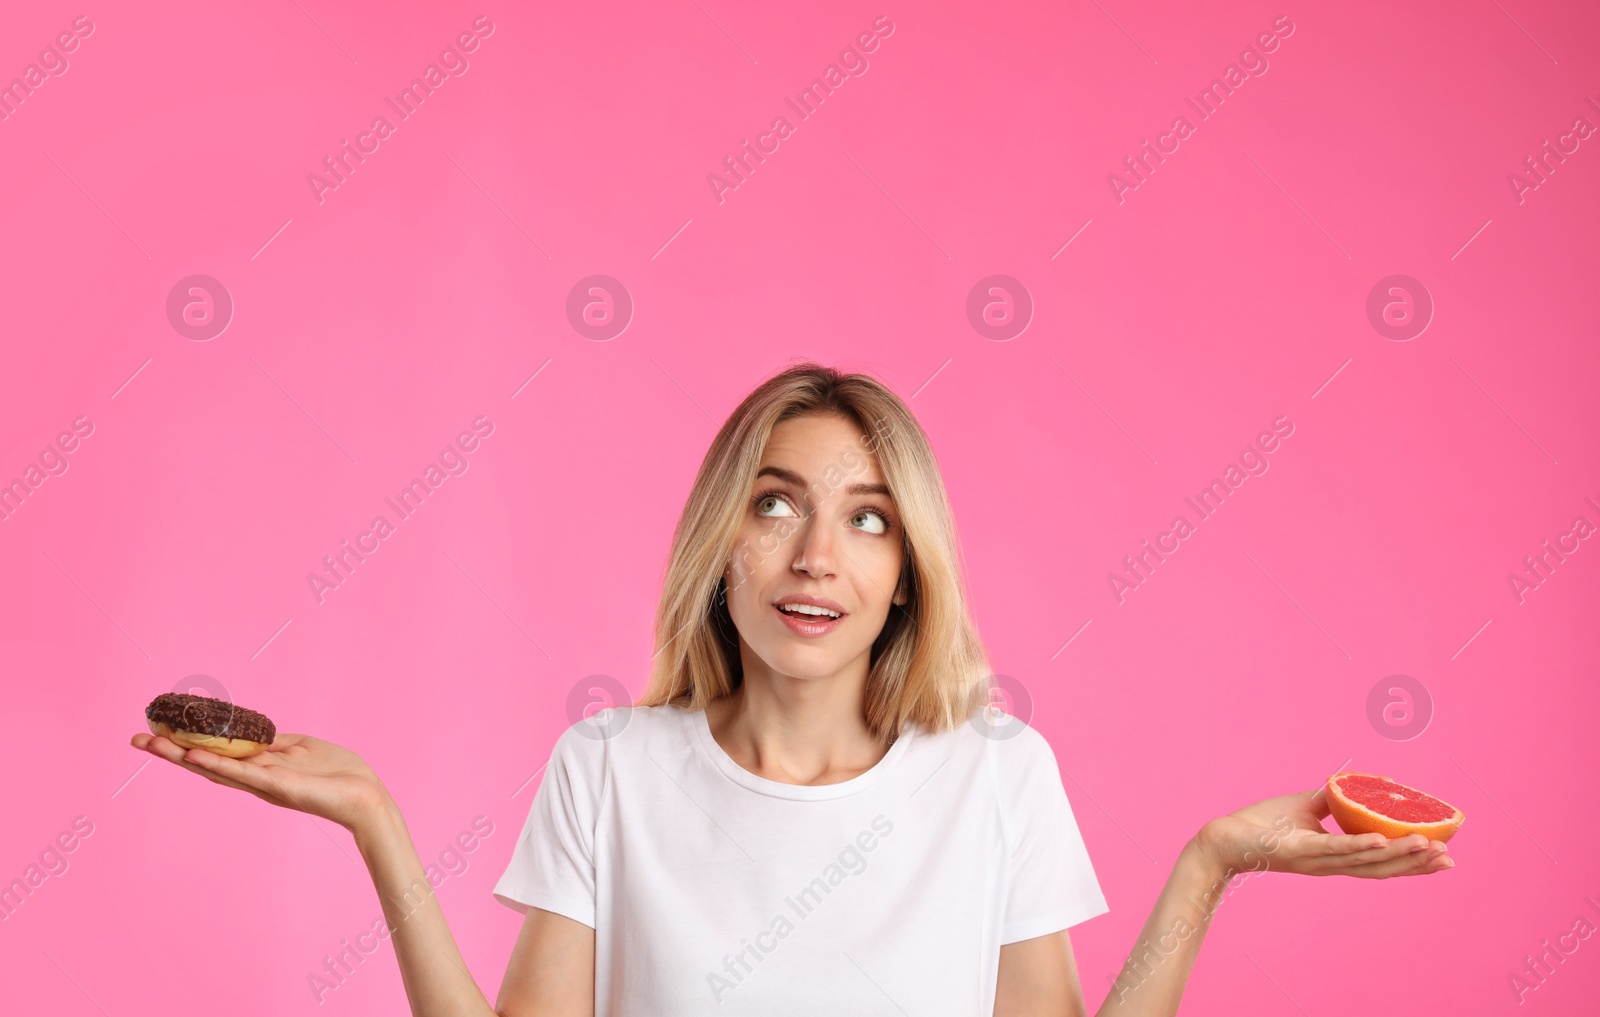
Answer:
(712, 890)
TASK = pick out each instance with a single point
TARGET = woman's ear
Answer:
(900, 596)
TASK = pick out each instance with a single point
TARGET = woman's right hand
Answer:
(297, 772)
(323, 779)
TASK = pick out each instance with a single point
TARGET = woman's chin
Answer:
(803, 662)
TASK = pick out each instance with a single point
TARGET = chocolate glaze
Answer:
(203, 715)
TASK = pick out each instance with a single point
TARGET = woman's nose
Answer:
(814, 555)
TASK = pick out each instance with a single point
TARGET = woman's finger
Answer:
(1411, 864)
(1307, 851)
(238, 773)
(158, 745)
(1402, 848)
(169, 750)
(214, 778)
(1324, 854)
(1337, 844)
(1350, 846)
(1319, 803)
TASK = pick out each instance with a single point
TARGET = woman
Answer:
(812, 809)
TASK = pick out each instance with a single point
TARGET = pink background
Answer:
(369, 329)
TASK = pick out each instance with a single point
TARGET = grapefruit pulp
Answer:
(1367, 803)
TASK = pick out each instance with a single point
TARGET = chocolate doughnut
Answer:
(199, 722)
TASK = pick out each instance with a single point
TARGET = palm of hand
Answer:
(296, 772)
(1285, 834)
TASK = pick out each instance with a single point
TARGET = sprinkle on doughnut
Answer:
(219, 718)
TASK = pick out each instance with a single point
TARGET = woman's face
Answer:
(819, 523)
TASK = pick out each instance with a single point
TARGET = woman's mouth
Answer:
(810, 625)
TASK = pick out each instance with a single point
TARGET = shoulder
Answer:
(1027, 783)
(596, 741)
(1021, 763)
(1012, 755)
(1020, 745)
(1006, 743)
(1024, 760)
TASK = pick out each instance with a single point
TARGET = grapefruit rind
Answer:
(1353, 817)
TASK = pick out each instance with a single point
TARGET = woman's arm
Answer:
(551, 972)
(436, 979)
(1157, 969)
(1039, 978)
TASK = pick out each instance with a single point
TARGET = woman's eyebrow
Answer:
(790, 477)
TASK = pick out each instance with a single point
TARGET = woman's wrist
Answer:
(1205, 856)
(1200, 877)
(378, 820)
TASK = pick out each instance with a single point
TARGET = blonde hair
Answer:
(928, 665)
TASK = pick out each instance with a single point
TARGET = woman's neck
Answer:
(802, 731)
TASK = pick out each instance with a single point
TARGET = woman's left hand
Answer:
(1285, 834)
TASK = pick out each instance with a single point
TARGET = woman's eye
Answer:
(769, 500)
(768, 506)
(881, 523)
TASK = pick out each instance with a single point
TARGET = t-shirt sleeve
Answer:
(1053, 885)
(552, 866)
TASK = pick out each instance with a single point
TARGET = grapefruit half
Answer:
(1367, 803)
